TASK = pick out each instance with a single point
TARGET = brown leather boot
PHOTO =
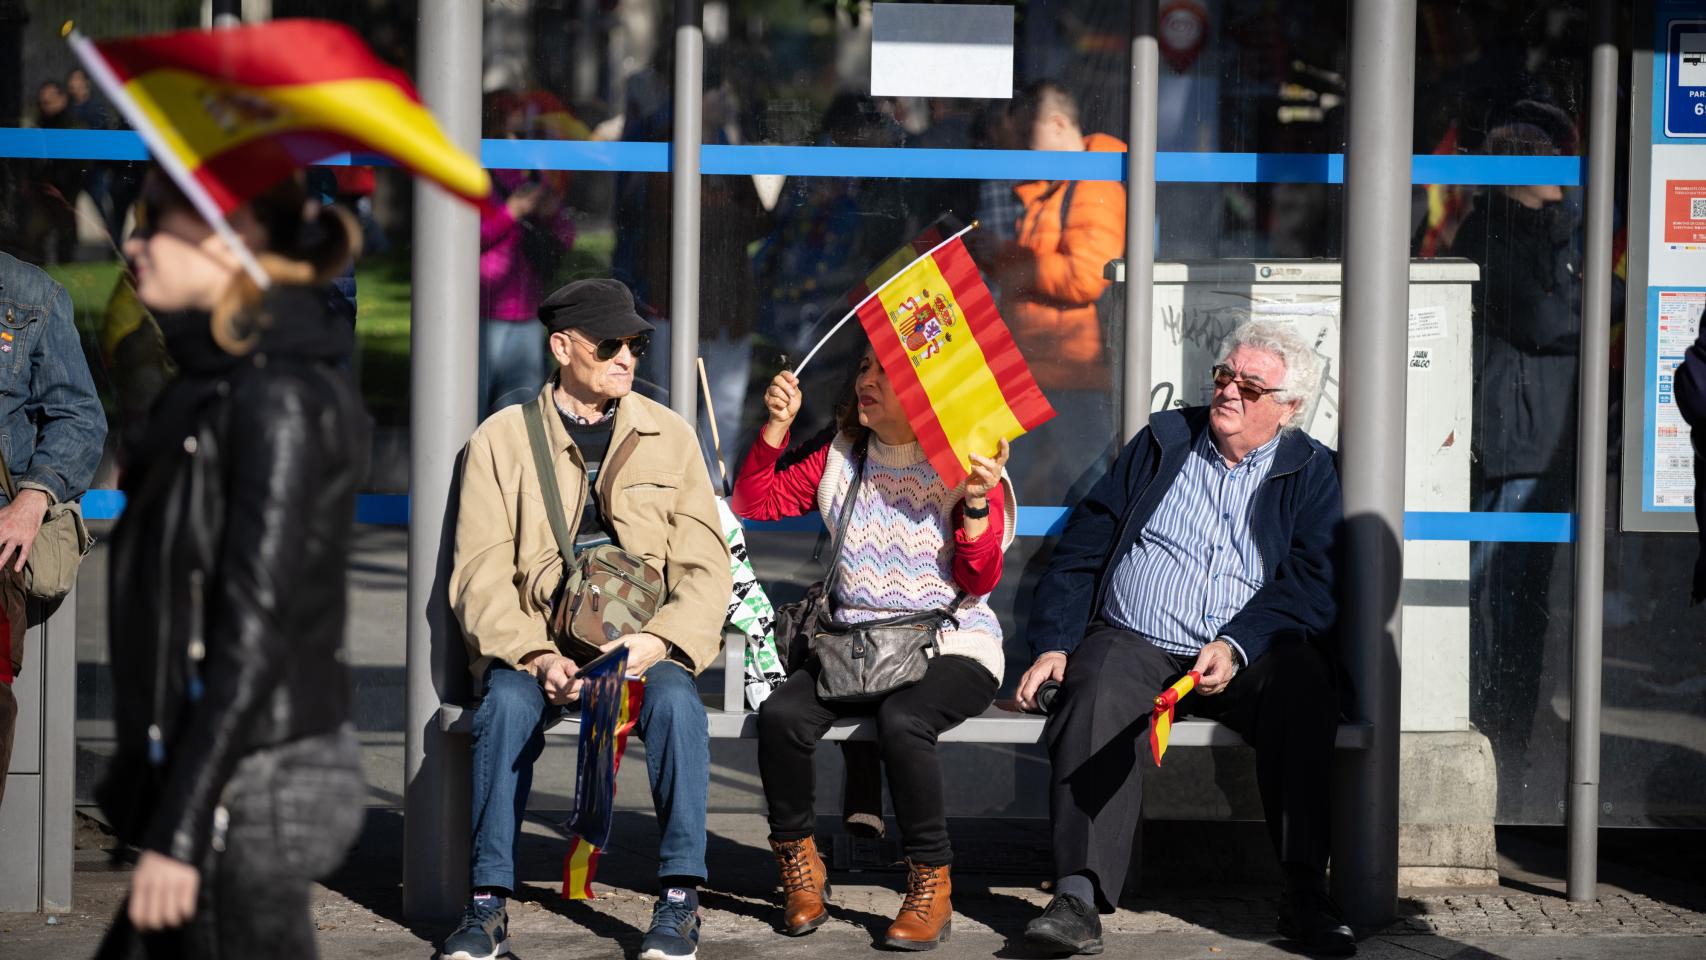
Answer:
(805, 885)
(926, 915)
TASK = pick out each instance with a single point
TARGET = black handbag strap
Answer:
(548, 490)
(859, 454)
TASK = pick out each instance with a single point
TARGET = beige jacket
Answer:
(659, 500)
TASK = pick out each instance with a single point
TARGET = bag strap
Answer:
(6, 479)
(548, 490)
(859, 453)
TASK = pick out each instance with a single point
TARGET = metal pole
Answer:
(1376, 279)
(1140, 218)
(684, 209)
(1583, 816)
(443, 351)
(227, 13)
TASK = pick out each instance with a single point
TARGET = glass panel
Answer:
(1502, 80)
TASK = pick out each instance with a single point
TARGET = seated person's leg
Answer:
(1286, 706)
(790, 723)
(909, 722)
(678, 760)
(508, 737)
(1096, 736)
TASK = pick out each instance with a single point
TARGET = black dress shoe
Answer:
(1309, 917)
(1067, 927)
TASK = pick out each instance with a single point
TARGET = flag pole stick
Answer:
(711, 417)
(198, 196)
(842, 322)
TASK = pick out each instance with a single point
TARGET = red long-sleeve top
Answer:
(762, 492)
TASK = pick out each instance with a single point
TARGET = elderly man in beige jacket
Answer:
(626, 473)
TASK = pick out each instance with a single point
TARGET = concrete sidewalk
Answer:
(1182, 912)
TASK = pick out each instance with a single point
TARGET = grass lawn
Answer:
(382, 313)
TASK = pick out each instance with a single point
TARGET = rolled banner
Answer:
(610, 707)
(1161, 723)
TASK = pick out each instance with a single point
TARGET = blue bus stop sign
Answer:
(1685, 79)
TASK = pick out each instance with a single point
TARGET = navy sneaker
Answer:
(483, 933)
(675, 927)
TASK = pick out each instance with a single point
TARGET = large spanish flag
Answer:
(954, 366)
(240, 109)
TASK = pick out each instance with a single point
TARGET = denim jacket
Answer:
(52, 426)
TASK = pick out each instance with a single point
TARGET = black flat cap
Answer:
(600, 309)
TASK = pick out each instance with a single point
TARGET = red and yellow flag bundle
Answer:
(235, 111)
(952, 362)
(580, 864)
(1161, 723)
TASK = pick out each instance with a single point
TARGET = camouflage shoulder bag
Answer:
(607, 592)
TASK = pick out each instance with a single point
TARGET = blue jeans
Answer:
(512, 363)
(509, 735)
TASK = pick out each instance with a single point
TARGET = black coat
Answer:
(1527, 336)
(1691, 403)
(228, 568)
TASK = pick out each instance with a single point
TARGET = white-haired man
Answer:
(1209, 546)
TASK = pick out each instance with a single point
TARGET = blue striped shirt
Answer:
(1197, 563)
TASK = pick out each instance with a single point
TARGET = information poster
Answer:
(1667, 275)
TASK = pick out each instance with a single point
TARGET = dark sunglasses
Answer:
(1224, 375)
(607, 349)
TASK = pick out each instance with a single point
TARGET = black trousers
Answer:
(293, 812)
(792, 721)
(1283, 704)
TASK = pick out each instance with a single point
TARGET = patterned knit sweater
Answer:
(900, 549)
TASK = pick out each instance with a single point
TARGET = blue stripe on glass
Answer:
(392, 510)
(879, 161)
(34, 144)
(1491, 527)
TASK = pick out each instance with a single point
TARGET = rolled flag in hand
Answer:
(610, 706)
(1161, 724)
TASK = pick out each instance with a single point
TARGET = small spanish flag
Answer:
(1161, 724)
(951, 359)
(237, 110)
(580, 864)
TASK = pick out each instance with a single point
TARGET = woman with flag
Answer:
(911, 544)
(236, 772)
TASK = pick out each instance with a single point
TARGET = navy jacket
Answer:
(1691, 403)
(1297, 514)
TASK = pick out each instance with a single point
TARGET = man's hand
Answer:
(20, 521)
(1217, 664)
(1049, 666)
(644, 651)
(162, 892)
(556, 676)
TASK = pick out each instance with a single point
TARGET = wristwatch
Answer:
(975, 513)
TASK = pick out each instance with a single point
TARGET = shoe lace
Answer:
(479, 911)
(920, 891)
(669, 915)
(796, 867)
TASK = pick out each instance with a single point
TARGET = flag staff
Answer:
(133, 114)
(879, 289)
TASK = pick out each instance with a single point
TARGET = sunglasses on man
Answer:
(1251, 393)
(607, 349)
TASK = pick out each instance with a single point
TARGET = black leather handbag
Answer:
(856, 661)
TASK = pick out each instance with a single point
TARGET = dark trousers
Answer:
(1283, 704)
(792, 720)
